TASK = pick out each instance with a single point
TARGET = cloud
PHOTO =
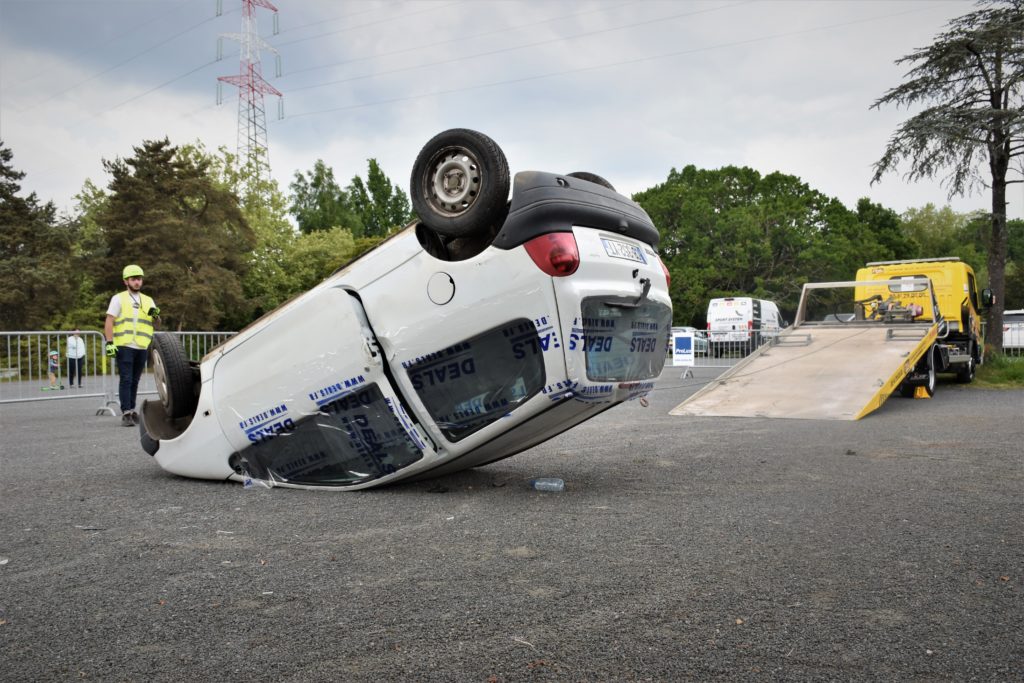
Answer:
(627, 90)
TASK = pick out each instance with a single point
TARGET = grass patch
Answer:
(1001, 372)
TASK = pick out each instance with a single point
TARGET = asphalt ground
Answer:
(681, 549)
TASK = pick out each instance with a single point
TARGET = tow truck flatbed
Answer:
(838, 370)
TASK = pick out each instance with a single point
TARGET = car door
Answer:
(473, 345)
(306, 400)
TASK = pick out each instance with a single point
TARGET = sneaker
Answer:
(126, 420)
(135, 418)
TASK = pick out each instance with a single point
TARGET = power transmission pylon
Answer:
(252, 119)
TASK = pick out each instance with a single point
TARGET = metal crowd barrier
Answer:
(723, 354)
(25, 370)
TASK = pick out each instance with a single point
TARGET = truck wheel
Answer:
(173, 376)
(965, 375)
(460, 183)
(933, 363)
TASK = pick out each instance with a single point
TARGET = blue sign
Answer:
(682, 348)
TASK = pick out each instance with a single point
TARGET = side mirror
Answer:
(987, 298)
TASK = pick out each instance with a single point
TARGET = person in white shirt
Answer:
(76, 358)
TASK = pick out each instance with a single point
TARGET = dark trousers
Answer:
(131, 363)
(76, 368)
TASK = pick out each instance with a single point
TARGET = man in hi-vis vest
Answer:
(129, 331)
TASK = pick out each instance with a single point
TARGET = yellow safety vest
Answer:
(134, 326)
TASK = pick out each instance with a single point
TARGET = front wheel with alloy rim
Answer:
(460, 181)
(173, 376)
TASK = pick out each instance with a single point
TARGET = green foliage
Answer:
(36, 270)
(944, 232)
(1014, 285)
(887, 227)
(732, 232)
(1001, 372)
(380, 205)
(166, 213)
(968, 88)
(318, 202)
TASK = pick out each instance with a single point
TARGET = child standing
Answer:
(54, 368)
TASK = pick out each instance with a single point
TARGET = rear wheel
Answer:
(173, 376)
(460, 183)
(965, 375)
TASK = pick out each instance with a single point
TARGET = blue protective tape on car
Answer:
(336, 390)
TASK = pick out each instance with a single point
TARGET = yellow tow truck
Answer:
(959, 348)
(855, 343)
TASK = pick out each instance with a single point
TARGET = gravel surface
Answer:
(682, 548)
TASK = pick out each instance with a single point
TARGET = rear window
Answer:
(623, 343)
(910, 285)
(470, 385)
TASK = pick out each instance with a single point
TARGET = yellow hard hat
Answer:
(131, 271)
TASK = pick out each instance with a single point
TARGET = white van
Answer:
(741, 324)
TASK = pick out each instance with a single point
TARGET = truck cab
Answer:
(960, 345)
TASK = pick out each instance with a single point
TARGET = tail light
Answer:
(750, 324)
(668, 276)
(555, 253)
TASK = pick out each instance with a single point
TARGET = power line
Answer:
(549, 41)
(638, 60)
(460, 39)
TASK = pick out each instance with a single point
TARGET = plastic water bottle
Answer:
(547, 484)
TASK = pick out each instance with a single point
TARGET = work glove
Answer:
(111, 349)
(154, 311)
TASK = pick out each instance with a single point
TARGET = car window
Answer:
(468, 386)
(622, 342)
(353, 439)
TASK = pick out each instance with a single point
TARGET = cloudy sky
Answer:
(625, 89)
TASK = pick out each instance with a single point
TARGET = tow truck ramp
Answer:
(840, 367)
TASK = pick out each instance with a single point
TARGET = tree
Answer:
(944, 232)
(971, 80)
(732, 232)
(319, 203)
(379, 204)
(887, 228)
(166, 213)
(36, 274)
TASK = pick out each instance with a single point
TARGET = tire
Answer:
(591, 178)
(965, 375)
(932, 359)
(933, 362)
(460, 182)
(173, 376)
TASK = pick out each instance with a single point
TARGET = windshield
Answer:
(624, 342)
(353, 439)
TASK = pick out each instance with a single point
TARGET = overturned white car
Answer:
(481, 330)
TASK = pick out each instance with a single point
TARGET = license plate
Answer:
(622, 250)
